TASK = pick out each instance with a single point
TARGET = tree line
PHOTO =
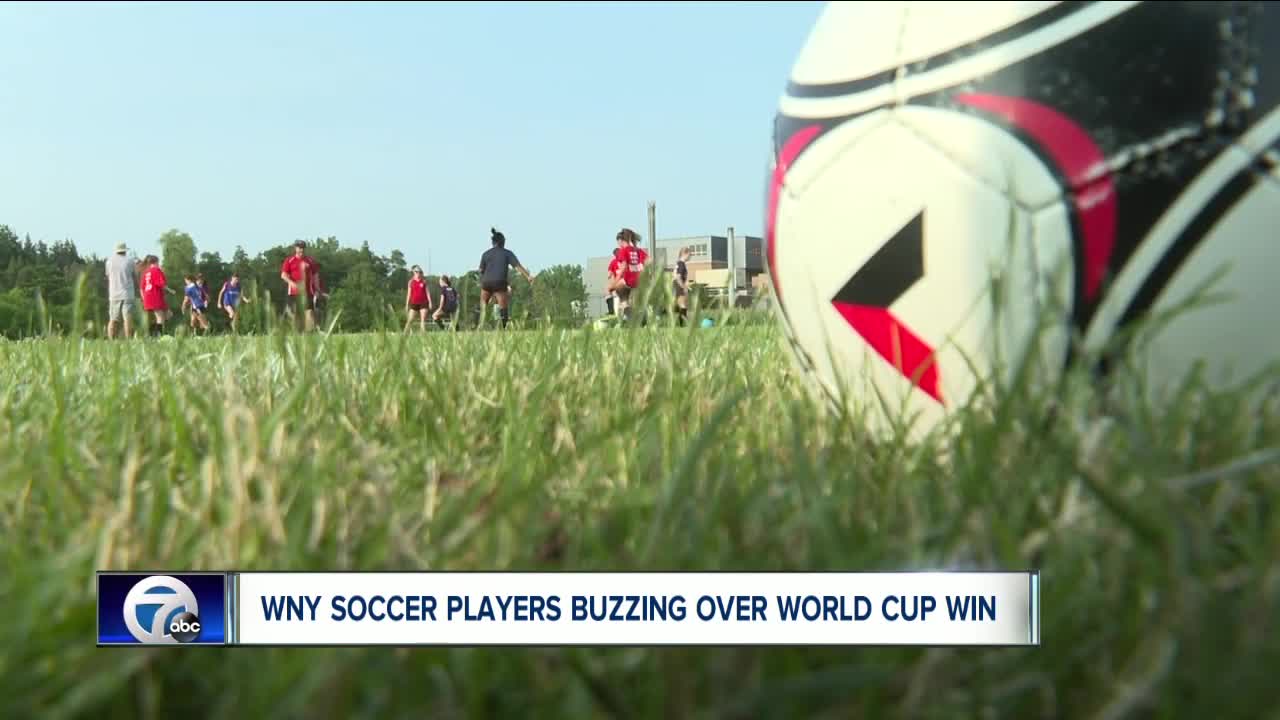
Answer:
(53, 288)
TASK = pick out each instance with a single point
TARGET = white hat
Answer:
(121, 248)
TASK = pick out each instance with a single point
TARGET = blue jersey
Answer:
(195, 296)
(230, 294)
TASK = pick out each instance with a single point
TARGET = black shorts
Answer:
(623, 292)
(448, 311)
(680, 291)
(418, 307)
(308, 302)
(196, 310)
(493, 287)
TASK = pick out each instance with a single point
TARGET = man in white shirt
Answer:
(122, 288)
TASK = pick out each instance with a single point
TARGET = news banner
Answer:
(567, 608)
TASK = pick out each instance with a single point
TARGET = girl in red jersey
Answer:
(154, 286)
(417, 300)
(617, 285)
(629, 260)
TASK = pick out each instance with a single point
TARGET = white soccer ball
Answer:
(960, 188)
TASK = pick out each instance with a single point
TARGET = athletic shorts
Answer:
(197, 311)
(418, 307)
(680, 291)
(117, 310)
(623, 292)
(448, 311)
(494, 287)
(308, 302)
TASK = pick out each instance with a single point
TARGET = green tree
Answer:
(559, 294)
(178, 254)
(360, 301)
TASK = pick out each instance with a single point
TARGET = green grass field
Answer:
(523, 450)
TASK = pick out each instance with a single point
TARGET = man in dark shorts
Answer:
(300, 273)
(494, 279)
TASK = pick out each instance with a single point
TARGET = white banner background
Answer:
(1013, 623)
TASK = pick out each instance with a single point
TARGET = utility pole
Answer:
(653, 229)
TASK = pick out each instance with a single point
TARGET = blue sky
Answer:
(411, 126)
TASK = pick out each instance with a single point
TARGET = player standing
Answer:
(154, 286)
(448, 302)
(680, 284)
(300, 273)
(494, 279)
(417, 300)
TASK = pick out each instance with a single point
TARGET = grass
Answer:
(641, 449)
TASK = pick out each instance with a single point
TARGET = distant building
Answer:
(708, 265)
(594, 276)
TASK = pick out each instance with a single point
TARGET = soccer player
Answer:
(417, 300)
(204, 289)
(448, 302)
(634, 259)
(229, 298)
(628, 263)
(301, 273)
(154, 286)
(680, 284)
(494, 279)
(122, 283)
(195, 300)
(615, 286)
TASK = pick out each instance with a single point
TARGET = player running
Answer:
(229, 298)
(301, 273)
(448, 302)
(154, 286)
(194, 299)
(494, 279)
(615, 287)
(204, 289)
(417, 300)
(625, 269)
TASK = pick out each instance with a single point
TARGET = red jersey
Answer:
(153, 284)
(614, 264)
(633, 258)
(417, 291)
(293, 266)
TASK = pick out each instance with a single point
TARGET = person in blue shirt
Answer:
(229, 298)
(194, 299)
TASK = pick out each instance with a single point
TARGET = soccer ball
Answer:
(960, 189)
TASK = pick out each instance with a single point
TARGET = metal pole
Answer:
(653, 229)
(733, 270)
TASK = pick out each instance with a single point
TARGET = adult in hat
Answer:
(122, 288)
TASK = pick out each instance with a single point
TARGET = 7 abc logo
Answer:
(166, 626)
